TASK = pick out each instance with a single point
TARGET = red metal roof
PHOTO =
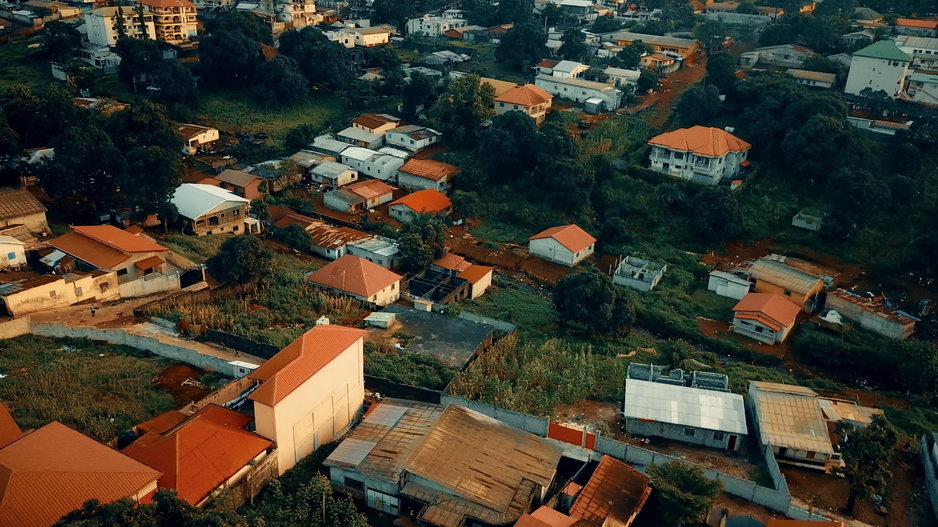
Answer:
(570, 236)
(197, 453)
(9, 430)
(775, 311)
(54, 470)
(429, 169)
(300, 361)
(615, 491)
(453, 262)
(354, 275)
(424, 201)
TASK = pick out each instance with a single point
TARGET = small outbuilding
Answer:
(766, 317)
(566, 245)
(728, 285)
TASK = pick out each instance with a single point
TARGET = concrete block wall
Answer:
(14, 328)
(148, 286)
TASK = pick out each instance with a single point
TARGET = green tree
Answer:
(854, 196)
(721, 70)
(568, 182)
(311, 504)
(167, 510)
(300, 136)
(867, 454)
(522, 46)
(605, 24)
(144, 124)
(718, 216)
(816, 146)
(242, 22)
(699, 105)
(573, 45)
(396, 12)
(747, 8)
(589, 297)
(295, 237)
(683, 494)
(322, 61)
(9, 139)
(422, 240)
(138, 57)
(508, 147)
(59, 41)
(631, 55)
(151, 177)
(515, 11)
(466, 204)
(420, 91)
(710, 33)
(280, 81)
(173, 83)
(39, 117)
(647, 80)
(87, 170)
(461, 109)
(228, 57)
(240, 260)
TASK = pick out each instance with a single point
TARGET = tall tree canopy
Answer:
(229, 56)
(867, 454)
(573, 45)
(699, 105)
(683, 494)
(522, 46)
(240, 260)
(280, 81)
(589, 298)
(460, 110)
(59, 40)
(322, 61)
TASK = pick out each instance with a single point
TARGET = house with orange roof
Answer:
(565, 244)
(428, 201)
(375, 123)
(766, 317)
(360, 279)
(107, 248)
(360, 196)
(9, 430)
(916, 26)
(614, 495)
(174, 20)
(420, 174)
(478, 276)
(528, 99)
(702, 154)
(54, 470)
(197, 138)
(310, 392)
(202, 453)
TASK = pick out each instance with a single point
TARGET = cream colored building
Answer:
(173, 20)
(528, 99)
(101, 25)
(310, 392)
(359, 279)
(566, 245)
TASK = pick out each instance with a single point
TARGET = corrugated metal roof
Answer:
(351, 452)
(790, 417)
(615, 491)
(386, 414)
(16, 203)
(680, 405)
(783, 275)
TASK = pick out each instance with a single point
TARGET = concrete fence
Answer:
(500, 325)
(149, 285)
(191, 356)
(14, 328)
(535, 425)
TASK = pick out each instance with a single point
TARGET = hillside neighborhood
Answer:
(471, 263)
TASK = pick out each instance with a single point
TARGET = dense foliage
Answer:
(240, 260)
(867, 454)
(589, 297)
(683, 494)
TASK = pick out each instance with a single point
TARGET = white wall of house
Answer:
(580, 91)
(12, 254)
(695, 167)
(759, 331)
(686, 434)
(923, 92)
(62, 293)
(432, 26)
(401, 139)
(728, 288)
(876, 74)
(537, 112)
(102, 30)
(318, 411)
(551, 249)
(343, 178)
(412, 182)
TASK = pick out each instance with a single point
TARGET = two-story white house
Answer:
(702, 154)
(529, 99)
(879, 66)
(433, 26)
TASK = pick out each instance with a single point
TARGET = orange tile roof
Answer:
(148, 263)
(199, 453)
(372, 120)
(775, 311)
(300, 361)
(425, 201)
(917, 22)
(370, 188)
(54, 470)
(354, 275)
(570, 236)
(475, 273)
(544, 516)
(103, 246)
(453, 262)
(527, 95)
(429, 169)
(9, 430)
(547, 63)
(166, 3)
(615, 491)
(702, 140)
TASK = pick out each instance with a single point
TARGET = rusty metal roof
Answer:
(615, 491)
(16, 203)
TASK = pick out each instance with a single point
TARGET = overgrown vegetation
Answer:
(98, 390)
(404, 367)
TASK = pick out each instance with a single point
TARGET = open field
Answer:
(16, 68)
(96, 389)
(237, 111)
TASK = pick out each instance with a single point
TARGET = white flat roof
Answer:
(683, 406)
(193, 199)
(358, 153)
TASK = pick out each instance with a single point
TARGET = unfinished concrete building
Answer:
(638, 273)
(871, 315)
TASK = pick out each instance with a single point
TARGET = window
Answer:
(122, 272)
(11, 256)
(719, 436)
(787, 293)
(51, 294)
(354, 484)
(689, 432)
(759, 329)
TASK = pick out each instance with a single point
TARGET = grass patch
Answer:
(195, 248)
(234, 111)
(111, 86)
(523, 308)
(17, 66)
(99, 390)
(740, 373)
(914, 421)
(408, 368)
(712, 305)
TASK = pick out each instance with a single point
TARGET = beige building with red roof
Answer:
(766, 317)
(528, 99)
(702, 154)
(360, 279)
(54, 470)
(420, 174)
(427, 201)
(478, 276)
(310, 392)
(566, 244)
(107, 248)
(376, 123)
(200, 453)
(360, 196)
(174, 20)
